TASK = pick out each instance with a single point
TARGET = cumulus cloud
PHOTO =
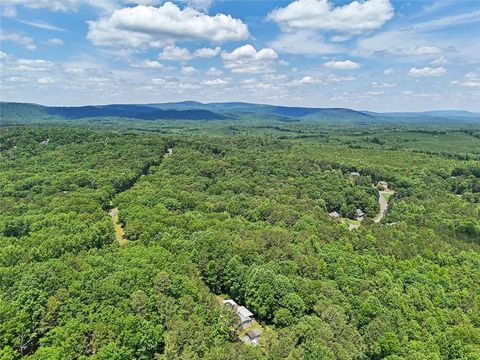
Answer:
(471, 84)
(215, 82)
(46, 80)
(472, 80)
(147, 64)
(427, 71)
(388, 71)
(32, 65)
(342, 65)
(18, 38)
(354, 17)
(213, 71)
(246, 59)
(188, 70)
(149, 26)
(304, 42)
(207, 52)
(3, 55)
(175, 53)
(307, 80)
(159, 81)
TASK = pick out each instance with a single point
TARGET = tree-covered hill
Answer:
(240, 216)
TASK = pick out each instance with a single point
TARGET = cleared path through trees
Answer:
(113, 213)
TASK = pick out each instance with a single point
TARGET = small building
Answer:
(354, 174)
(382, 185)
(231, 303)
(334, 215)
(360, 215)
(45, 142)
(254, 336)
(245, 316)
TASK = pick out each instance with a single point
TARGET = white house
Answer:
(245, 315)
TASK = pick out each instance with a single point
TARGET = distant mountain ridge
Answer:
(193, 110)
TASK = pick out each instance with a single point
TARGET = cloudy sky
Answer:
(376, 55)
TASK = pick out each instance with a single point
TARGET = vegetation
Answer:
(240, 209)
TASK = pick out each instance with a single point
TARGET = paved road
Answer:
(383, 205)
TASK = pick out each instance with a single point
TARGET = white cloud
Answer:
(175, 53)
(472, 80)
(197, 4)
(207, 52)
(427, 71)
(440, 61)
(400, 43)
(420, 50)
(213, 71)
(354, 17)
(17, 79)
(147, 64)
(55, 41)
(159, 81)
(246, 59)
(471, 84)
(307, 80)
(3, 55)
(18, 38)
(200, 4)
(9, 11)
(342, 65)
(188, 70)
(32, 65)
(216, 82)
(144, 26)
(304, 42)
(60, 5)
(385, 85)
(41, 25)
(472, 76)
(335, 78)
(388, 71)
(46, 80)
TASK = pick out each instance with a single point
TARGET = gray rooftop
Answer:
(243, 311)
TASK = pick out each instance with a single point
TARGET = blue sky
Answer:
(375, 55)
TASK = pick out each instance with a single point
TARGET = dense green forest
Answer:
(240, 210)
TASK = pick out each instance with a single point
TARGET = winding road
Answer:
(383, 204)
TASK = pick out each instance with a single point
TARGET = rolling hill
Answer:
(192, 110)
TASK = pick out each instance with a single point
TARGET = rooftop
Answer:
(253, 334)
(230, 302)
(243, 311)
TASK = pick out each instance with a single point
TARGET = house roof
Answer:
(334, 214)
(230, 302)
(244, 318)
(255, 333)
(360, 212)
(243, 311)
